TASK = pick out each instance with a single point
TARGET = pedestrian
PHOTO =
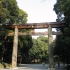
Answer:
(43, 63)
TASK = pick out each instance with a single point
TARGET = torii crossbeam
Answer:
(35, 25)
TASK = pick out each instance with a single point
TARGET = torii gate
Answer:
(32, 26)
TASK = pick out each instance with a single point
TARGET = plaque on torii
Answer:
(33, 26)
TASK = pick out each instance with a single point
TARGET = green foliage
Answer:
(25, 41)
(62, 47)
(24, 45)
(11, 10)
(39, 49)
(35, 50)
(10, 13)
(43, 39)
(22, 16)
(2, 14)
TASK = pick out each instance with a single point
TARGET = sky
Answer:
(38, 11)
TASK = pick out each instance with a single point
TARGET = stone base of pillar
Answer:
(51, 68)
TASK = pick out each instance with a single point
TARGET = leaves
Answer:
(22, 17)
(39, 49)
(62, 47)
(9, 13)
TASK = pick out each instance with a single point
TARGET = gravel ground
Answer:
(35, 67)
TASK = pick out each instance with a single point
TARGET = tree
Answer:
(2, 19)
(11, 10)
(9, 13)
(62, 9)
(2, 14)
(25, 43)
(43, 45)
(22, 18)
(34, 51)
(39, 49)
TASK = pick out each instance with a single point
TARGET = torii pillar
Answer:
(50, 49)
(15, 48)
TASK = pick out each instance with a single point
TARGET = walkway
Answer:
(35, 67)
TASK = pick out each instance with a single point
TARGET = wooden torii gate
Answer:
(33, 26)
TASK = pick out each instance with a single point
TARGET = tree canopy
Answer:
(39, 49)
(62, 8)
(10, 13)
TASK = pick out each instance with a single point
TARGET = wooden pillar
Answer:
(15, 47)
(50, 49)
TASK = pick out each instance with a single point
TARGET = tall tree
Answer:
(62, 9)
(9, 13)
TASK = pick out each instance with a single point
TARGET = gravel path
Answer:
(35, 67)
